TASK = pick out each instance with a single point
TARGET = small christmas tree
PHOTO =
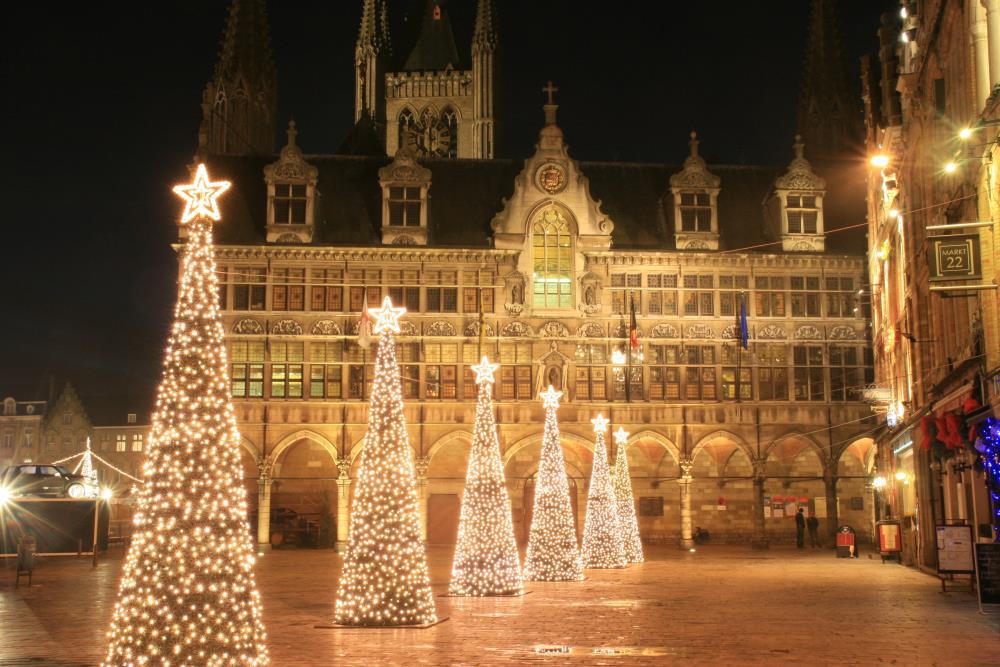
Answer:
(187, 593)
(602, 533)
(486, 560)
(626, 503)
(385, 580)
(553, 551)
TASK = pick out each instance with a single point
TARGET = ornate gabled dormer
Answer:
(405, 186)
(795, 209)
(552, 219)
(291, 195)
(696, 203)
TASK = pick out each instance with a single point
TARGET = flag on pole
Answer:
(742, 324)
(365, 326)
(633, 328)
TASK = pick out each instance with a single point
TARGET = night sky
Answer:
(103, 105)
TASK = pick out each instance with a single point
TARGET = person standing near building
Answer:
(812, 523)
(800, 529)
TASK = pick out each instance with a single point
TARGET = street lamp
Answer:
(879, 161)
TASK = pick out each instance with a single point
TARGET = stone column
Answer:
(343, 503)
(421, 464)
(832, 520)
(980, 52)
(759, 539)
(993, 39)
(264, 510)
(687, 540)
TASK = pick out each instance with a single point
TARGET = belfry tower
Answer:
(829, 113)
(240, 102)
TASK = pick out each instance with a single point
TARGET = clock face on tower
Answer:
(430, 134)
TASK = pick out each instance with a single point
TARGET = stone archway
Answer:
(304, 494)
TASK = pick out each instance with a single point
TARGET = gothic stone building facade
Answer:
(536, 263)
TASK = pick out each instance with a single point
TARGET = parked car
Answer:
(45, 481)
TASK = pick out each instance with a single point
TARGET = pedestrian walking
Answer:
(800, 529)
(812, 523)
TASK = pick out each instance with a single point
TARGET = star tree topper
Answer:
(200, 197)
(550, 397)
(600, 423)
(386, 317)
(484, 371)
(621, 436)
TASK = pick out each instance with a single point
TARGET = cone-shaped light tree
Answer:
(626, 503)
(486, 560)
(602, 533)
(187, 594)
(385, 581)
(553, 552)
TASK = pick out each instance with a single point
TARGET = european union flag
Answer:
(744, 329)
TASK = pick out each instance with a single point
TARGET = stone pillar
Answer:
(264, 511)
(832, 520)
(759, 539)
(687, 540)
(993, 39)
(421, 464)
(980, 53)
(343, 503)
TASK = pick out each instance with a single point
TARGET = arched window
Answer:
(552, 257)
(449, 121)
(405, 126)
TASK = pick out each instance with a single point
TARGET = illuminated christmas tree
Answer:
(553, 552)
(626, 503)
(486, 560)
(187, 593)
(385, 580)
(602, 532)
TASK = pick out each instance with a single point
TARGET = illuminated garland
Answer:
(187, 594)
(626, 502)
(602, 532)
(988, 446)
(385, 581)
(553, 552)
(486, 559)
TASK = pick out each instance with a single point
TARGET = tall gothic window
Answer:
(552, 248)
(406, 122)
(450, 121)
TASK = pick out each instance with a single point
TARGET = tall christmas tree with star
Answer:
(625, 500)
(553, 552)
(602, 532)
(385, 581)
(486, 560)
(187, 594)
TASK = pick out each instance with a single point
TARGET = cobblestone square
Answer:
(719, 606)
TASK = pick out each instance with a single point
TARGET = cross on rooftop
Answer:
(550, 89)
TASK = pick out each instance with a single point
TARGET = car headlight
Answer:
(76, 491)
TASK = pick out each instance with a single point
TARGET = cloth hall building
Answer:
(537, 262)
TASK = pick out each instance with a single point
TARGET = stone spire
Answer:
(484, 80)
(485, 34)
(239, 103)
(829, 115)
(371, 55)
(435, 49)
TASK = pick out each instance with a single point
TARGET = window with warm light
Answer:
(552, 255)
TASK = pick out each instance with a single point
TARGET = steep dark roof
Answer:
(435, 48)
(466, 194)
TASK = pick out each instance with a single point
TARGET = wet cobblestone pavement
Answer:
(719, 606)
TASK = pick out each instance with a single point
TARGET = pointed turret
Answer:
(435, 48)
(240, 101)
(371, 56)
(484, 69)
(829, 114)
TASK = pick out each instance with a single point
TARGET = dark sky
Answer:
(102, 111)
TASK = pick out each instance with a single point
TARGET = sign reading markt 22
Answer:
(954, 257)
